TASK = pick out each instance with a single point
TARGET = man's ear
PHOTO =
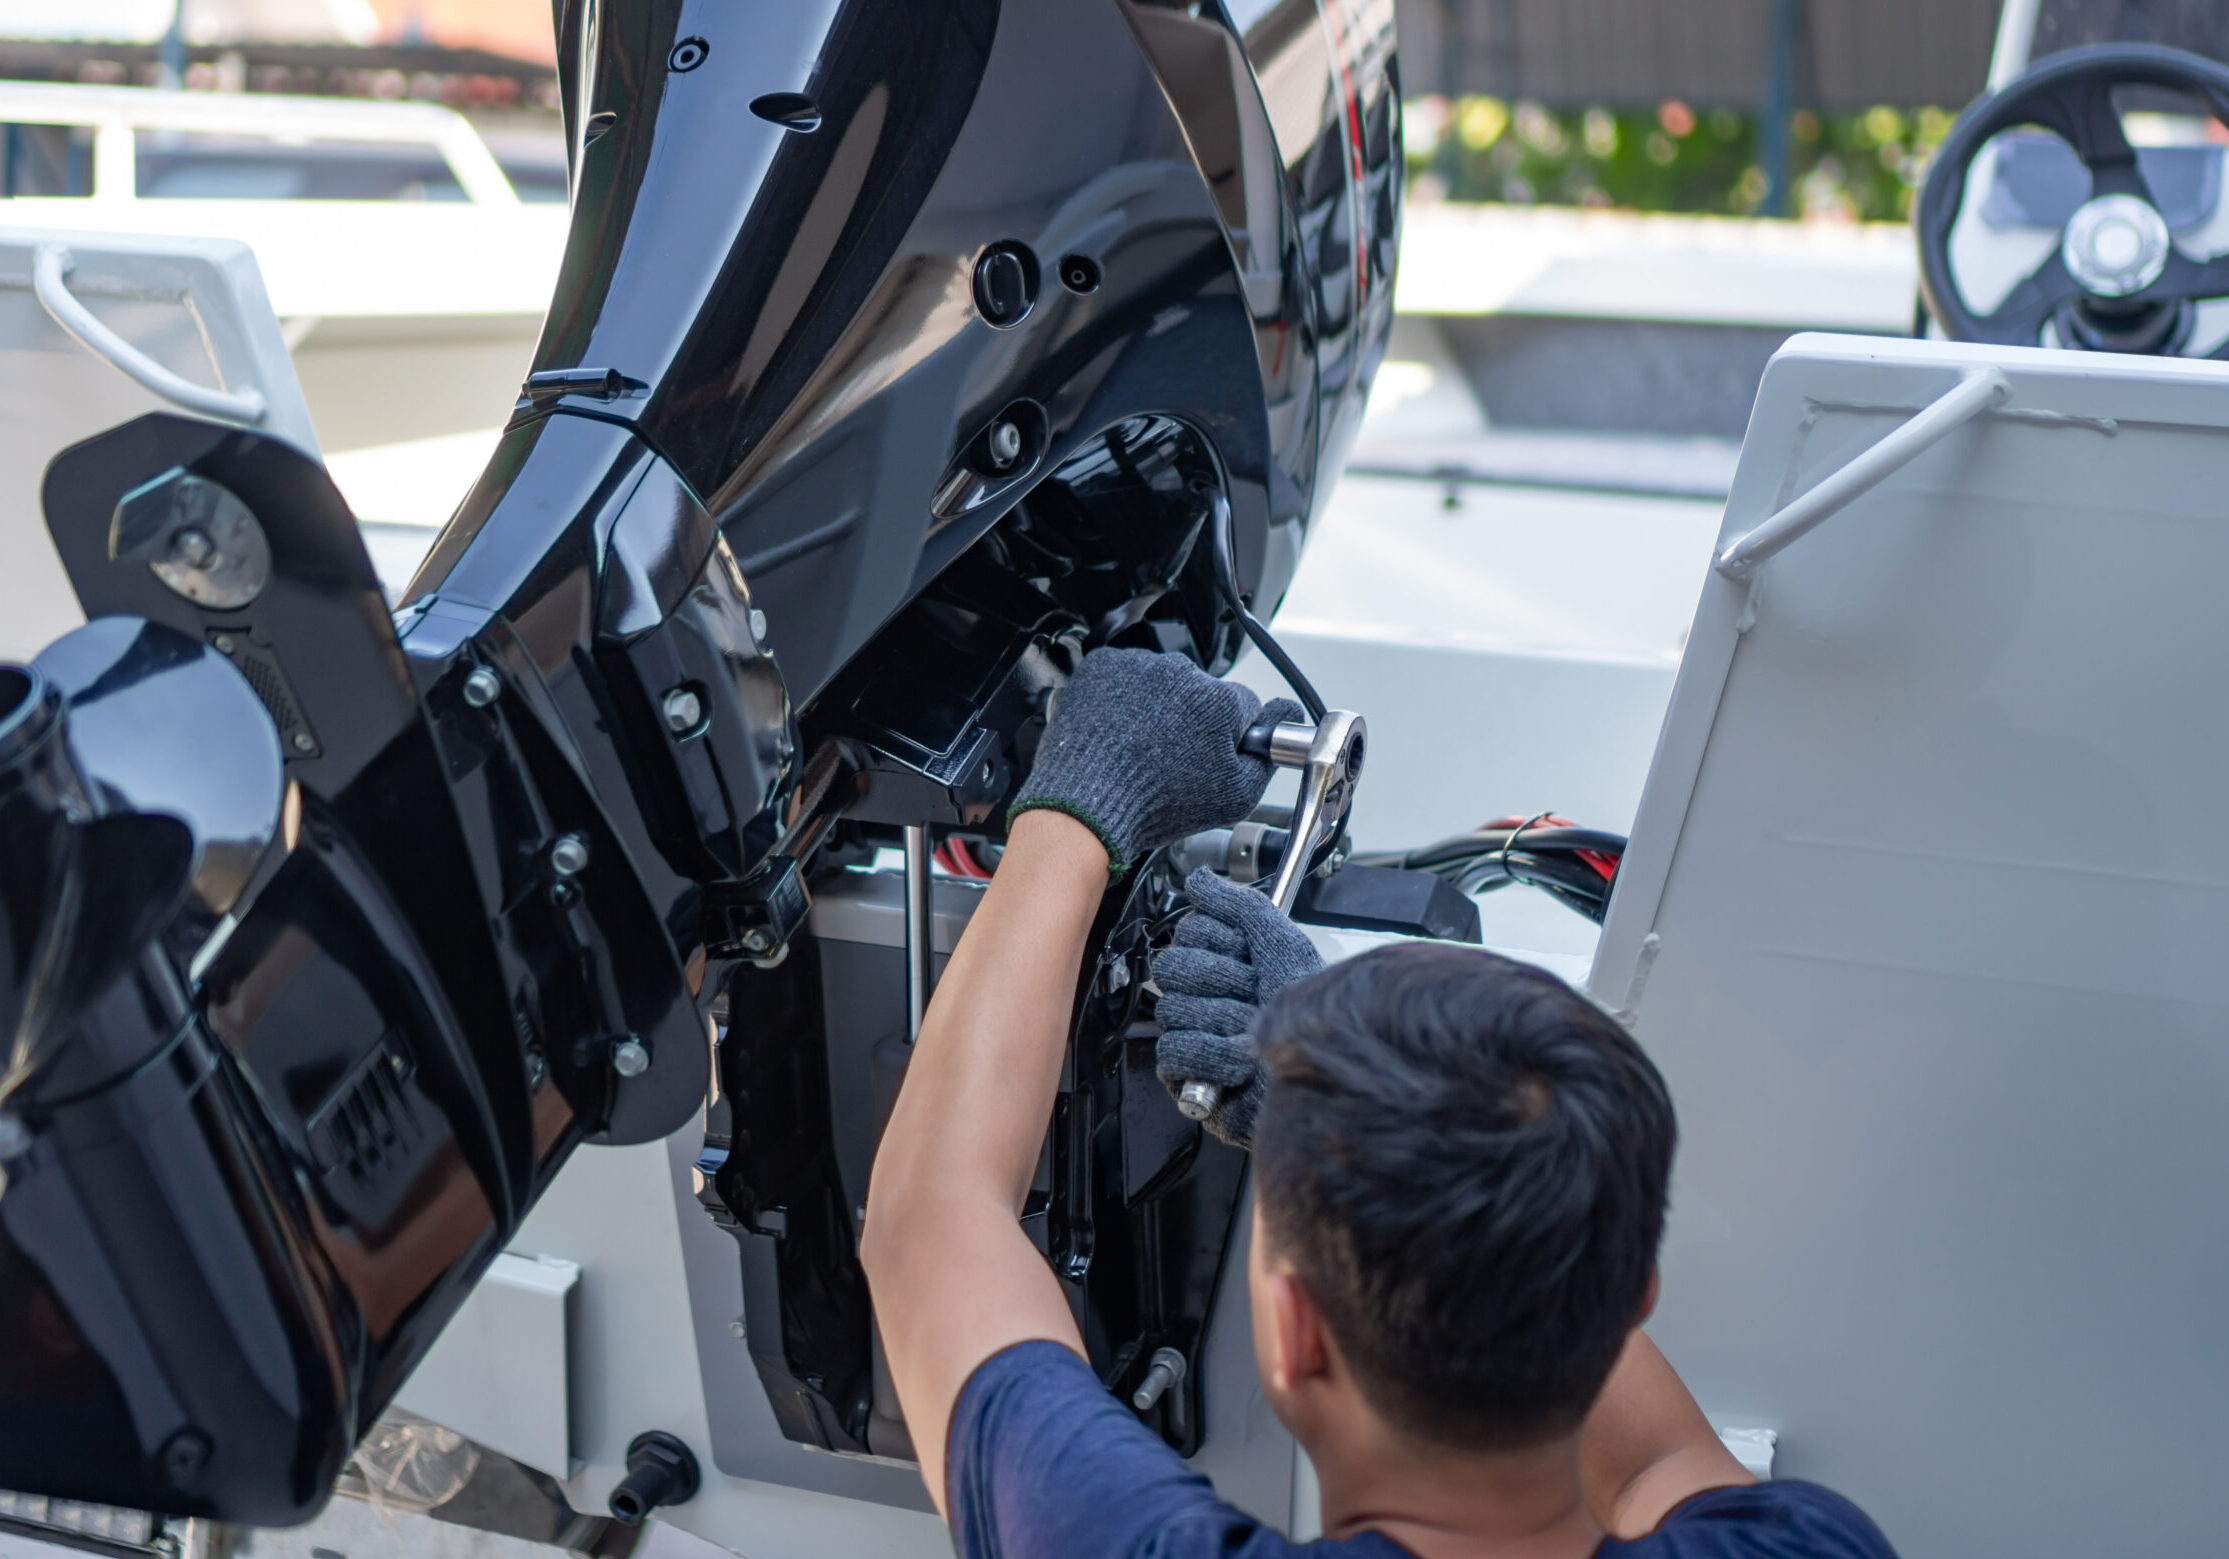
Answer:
(1301, 1352)
(1648, 1300)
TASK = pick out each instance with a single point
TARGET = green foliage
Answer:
(1864, 166)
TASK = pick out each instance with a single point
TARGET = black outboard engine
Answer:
(903, 351)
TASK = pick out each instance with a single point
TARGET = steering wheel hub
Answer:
(2114, 280)
(2116, 245)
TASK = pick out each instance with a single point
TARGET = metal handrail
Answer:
(1977, 390)
(50, 270)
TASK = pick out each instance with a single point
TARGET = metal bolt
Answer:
(304, 742)
(629, 1057)
(736, 1329)
(1005, 444)
(223, 643)
(1166, 1370)
(758, 625)
(15, 1137)
(756, 940)
(194, 547)
(569, 855)
(537, 1069)
(483, 687)
(684, 711)
(1196, 1101)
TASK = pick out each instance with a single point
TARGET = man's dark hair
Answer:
(1465, 1160)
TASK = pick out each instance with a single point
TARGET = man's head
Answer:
(1460, 1176)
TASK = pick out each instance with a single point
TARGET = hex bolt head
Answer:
(483, 687)
(758, 625)
(537, 1069)
(304, 742)
(737, 1330)
(683, 711)
(1166, 1370)
(569, 855)
(193, 547)
(223, 643)
(1196, 1100)
(1005, 444)
(630, 1057)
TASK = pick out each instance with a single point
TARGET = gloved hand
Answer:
(1143, 751)
(1231, 955)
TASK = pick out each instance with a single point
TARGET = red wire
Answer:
(1607, 865)
(957, 859)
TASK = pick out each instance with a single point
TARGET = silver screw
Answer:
(684, 711)
(223, 642)
(1166, 1370)
(569, 855)
(758, 625)
(304, 742)
(194, 547)
(1196, 1101)
(756, 940)
(1005, 444)
(629, 1058)
(483, 687)
(537, 1069)
(736, 1329)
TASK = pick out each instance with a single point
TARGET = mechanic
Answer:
(1460, 1171)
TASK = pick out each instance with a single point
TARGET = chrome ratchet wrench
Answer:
(1329, 757)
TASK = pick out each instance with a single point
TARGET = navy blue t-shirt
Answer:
(1044, 1464)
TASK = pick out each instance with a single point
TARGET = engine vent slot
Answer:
(368, 1123)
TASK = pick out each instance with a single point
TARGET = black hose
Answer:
(1462, 849)
(1226, 579)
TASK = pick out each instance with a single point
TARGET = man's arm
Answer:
(1647, 1447)
(954, 1278)
(1141, 751)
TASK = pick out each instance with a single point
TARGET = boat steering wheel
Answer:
(2115, 281)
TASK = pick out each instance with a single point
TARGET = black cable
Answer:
(1226, 578)
(1552, 859)
(1464, 849)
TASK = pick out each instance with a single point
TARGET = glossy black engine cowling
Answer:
(1231, 256)
(911, 339)
(306, 1004)
(785, 306)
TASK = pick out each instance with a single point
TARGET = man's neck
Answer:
(1442, 1504)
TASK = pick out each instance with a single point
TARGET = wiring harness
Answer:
(1576, 866)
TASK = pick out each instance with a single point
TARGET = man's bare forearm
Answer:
(1647, 1447)
(990, 1049)
(954, 1277)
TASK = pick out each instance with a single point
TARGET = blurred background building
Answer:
(1727, 105)
(474, 54)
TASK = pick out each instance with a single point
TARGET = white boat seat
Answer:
(1924, 917)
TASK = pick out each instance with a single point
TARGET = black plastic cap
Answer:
(660, 1471)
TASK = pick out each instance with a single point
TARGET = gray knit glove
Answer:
(1231, 955)
(1143, 751)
